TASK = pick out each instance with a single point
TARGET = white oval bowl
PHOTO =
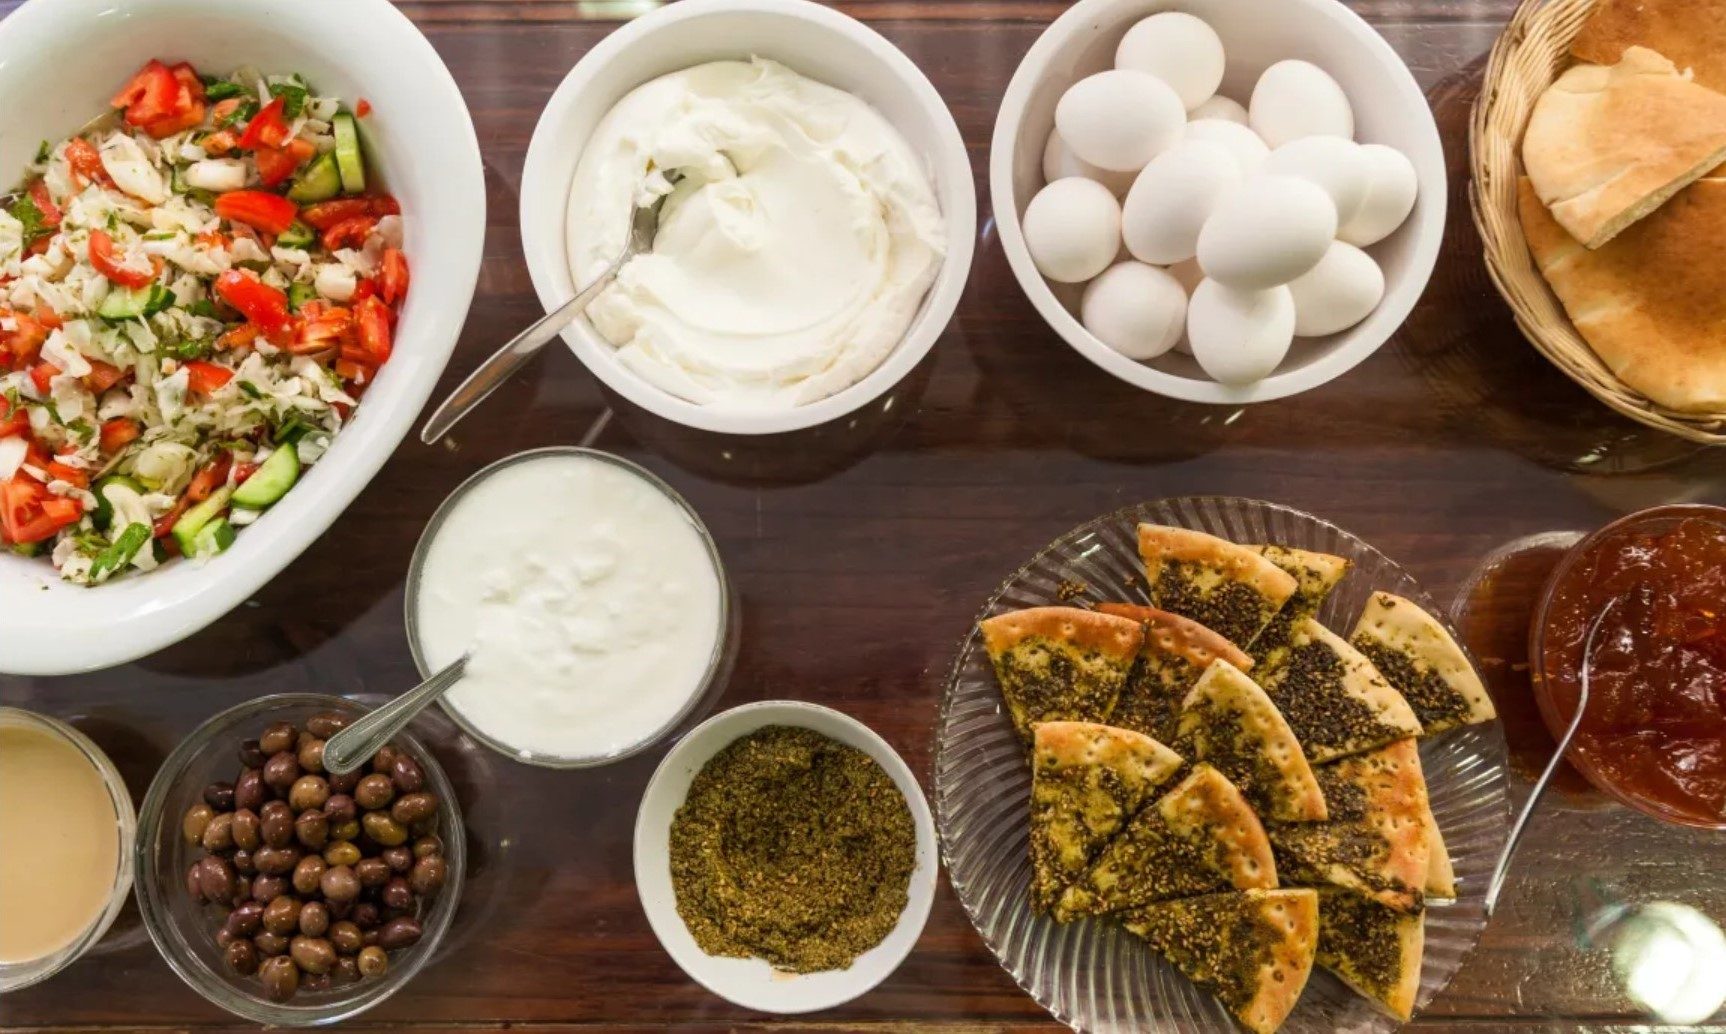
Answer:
(752, 983)
(1389, 108)
(815, 41)
(68, 57)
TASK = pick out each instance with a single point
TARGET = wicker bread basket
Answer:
(1532, 52)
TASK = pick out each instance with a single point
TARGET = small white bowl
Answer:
(813, 40)
(752, 983)
(1389, 108)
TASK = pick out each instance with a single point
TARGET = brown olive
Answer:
(426, 846)
(385, 758)
(241, 957)
(349, 830)
(406, 774)
(413, 807)
(428, 875)
(281, 978)
(397, 894)
(347, 937)
(425, 827)
(220, 796)
(308, 792)
(314, 918)
(271, 943)
(195, 880)
(312, 954)
(247, 829)
(266, 889)
(365, 915)
(281, 771)
(345, 782)
(373, 962)
(312, 829)
(277, 825)
(197, 817)
(277, 738)
(342, 852)
(339, 808)
(326, 724)
(307, 873)
(245, 920)
(339, 883)
(250, 790)
(243, 863)
(374, 791)
(346, 971)
(242, 891)
(383, 829)
(399, 933)
(399, 858)
(311, 754)
(219, 834)
(312, 983)
(282, 915)
(340, 909)
(216, 878)
(250, 755)
(372, 872)
(276, 861)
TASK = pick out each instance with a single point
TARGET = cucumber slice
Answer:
(348, 158)
(298, 235)
(299, 293)
(270, 481)
(215, 537)
(120, 552)
(319, 181)
(131, 303)
(103, 514)
(194, 520)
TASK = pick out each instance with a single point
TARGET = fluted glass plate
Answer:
(1092, 975)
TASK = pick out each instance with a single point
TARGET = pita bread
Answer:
(1334, 700)
(1690, 32)
(1608, 144)
(1176, 652)
(1375, 950)
(1202, 836)
(1229, 589)
(1375, 840)
(1060, 663)
(1229, 722)
(1651, 304)
(1087, 780)
(1252, 949)
(1440, 873)
(1315, 575)
(1414, 653)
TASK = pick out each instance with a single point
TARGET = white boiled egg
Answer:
(1339, 292)
(1249, 151)
(1135, 309)
(1072, 229)
(1225, 108)
(1390, 193)
(1172, 198)
(1337, 165)
(1120, 119)
(1295, 99)
(1059, 162)
(1239, 336)
(1266, 232)
(1189, 276)
(1179, 49)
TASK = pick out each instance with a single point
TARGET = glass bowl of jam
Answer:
(1654, 731)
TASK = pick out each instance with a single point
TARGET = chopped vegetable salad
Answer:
(195, 291)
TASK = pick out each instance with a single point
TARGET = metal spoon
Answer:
(354, 746)
(1502, 869)
(503, 364)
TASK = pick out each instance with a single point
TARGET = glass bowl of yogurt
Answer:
(589, 597)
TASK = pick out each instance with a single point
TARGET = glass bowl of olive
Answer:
(286, 894)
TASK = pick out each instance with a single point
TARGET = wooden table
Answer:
(861, 553)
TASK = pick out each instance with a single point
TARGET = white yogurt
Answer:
(589, 601)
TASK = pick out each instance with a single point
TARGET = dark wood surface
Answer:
(861, 553)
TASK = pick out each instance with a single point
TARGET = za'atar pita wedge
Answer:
(1690, 32)
(1087, 780)
(1608, 144)
(1315, 575)
(1200, 837)
(1252, 949)
(1230, 589)
(1374, 949)
(1229, 722)
(1334, 700)
(1415, 654)
(1176, 652)
(1060, 663)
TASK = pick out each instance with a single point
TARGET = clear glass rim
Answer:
(17, 975)
(698, 692)
(190, 963)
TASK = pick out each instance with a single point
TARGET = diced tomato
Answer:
(257, 208)
(276, 164)
(66, 472)
(353, 372)
(13, 422)
(45, 204)
(205, 378)
(257, 301)
(24, 343)
(151, 93)
(243, 471)
(28, 513)
(102, 376)
(119, 433)
(42, 374)
(362, 108)
(373, 322)
(393, 276)
(108, 263)
(366, 288)
(268, 128)
(241, 336)
(164, 525)
(349, 233)
(213, 476)
(326, 214)
(221, 141)
(188, 110)
(322, 327)
(86, 163)
(46, 316)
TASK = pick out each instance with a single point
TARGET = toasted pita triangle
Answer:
(1315, 575)
(1375, 841)
(1414, 653)
(1375, 950)
(1440, 873)
(1230, 589)
(1228, 721)
(1060, 663)
(1087, 780)
(1334, 700)
(1252, 949)
(1200, 837)
(1177, 651)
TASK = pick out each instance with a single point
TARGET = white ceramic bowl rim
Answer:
(543, 238)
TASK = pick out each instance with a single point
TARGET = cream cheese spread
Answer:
(798, 238)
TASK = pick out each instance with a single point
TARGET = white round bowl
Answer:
(68, 57)
(1389, 108)
(752, 983)
(813, 40)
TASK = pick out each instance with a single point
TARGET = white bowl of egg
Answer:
(1222, 201)
(818, 222)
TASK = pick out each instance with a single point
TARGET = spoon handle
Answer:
(351, 747)
(503, 363)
